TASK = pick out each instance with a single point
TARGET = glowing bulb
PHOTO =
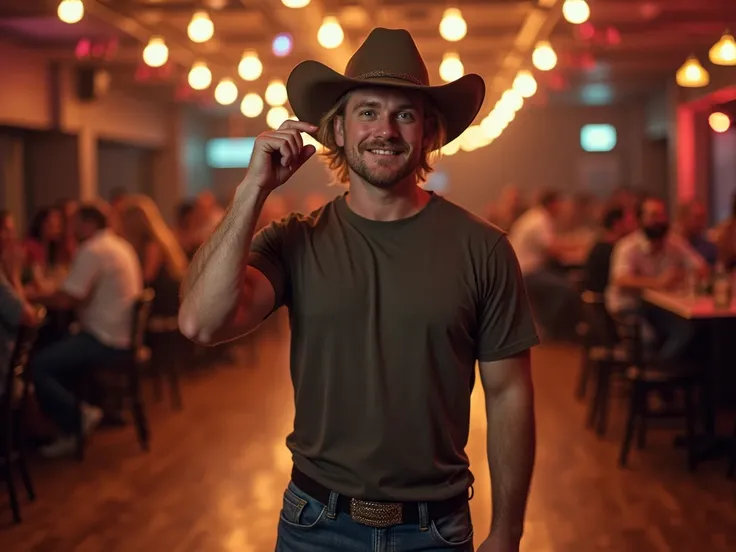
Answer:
(70, 11)
(250, 67)
(453, 26)
(276, 116)
(252, 105)
(719, 122)
(155, 54)
(200, 76)
(512, 100)
(295, 3)
(330, 33)
(544, 57)
(451, 67)
(282, 45)
(451, 149)
(691, 74)
(226, 92)
(276, 93)
(723, 52)
(200, 28)
(576, 11)
(525, 84)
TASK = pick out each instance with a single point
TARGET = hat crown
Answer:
(388, 53)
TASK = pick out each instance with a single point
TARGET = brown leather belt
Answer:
(377, 514)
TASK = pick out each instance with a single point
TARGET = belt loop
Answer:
(423, 516)
(332, 505)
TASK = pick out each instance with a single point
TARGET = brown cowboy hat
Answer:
(388, 57)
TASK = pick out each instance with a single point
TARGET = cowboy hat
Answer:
(388, 57)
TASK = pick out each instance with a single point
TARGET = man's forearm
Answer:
(214, 282)
(511, 449)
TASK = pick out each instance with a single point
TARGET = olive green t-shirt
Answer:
(387, 321)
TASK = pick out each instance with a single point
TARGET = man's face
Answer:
(382, 134)
(654, 219)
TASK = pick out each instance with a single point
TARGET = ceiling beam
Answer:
(303, 24)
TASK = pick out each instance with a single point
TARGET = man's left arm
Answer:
(506, 334)
(75, 290)
(509, 395)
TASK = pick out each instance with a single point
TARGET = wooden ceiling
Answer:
(628, 47)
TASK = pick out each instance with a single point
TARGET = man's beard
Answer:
(392, 174)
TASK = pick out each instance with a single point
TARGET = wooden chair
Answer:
(130, 367)
(167, 345)
(12, 403)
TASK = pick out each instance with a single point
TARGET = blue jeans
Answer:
(307, 525)
(70, 355)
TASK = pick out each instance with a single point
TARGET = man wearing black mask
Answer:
(652, 258)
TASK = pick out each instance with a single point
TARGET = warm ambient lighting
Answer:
(453, 26)
(282, 45)
(252, 105)
(200, 28)
(692, 74)
(510, 99)
(276, 116)
(576, 11)
(544, 57)
(70, 11)
(250, 67)
(723, 52)
(719, 122)
(200, 76)
(226, 92)
(155, 54)
(295, 3)
(451, 67)
(525, 84)
(276, 93)
(330, 33)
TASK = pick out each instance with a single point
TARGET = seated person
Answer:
(691, 225)
(617, 222)
(103, 284)
(652, 258)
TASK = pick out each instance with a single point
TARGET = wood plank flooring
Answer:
(214, 478)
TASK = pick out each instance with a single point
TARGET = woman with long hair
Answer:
(162, 260)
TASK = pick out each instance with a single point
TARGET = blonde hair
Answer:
(155, 229)
(334, 155)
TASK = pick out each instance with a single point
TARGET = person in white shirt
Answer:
(103, 284)
(534, 240)
(653, 258)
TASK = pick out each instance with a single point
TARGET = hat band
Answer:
(389, 74)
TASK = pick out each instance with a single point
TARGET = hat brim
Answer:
(313, 89)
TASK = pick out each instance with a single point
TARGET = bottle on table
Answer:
(722, 287)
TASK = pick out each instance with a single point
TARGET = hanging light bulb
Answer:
(276, 93)
(512, 100)
(691, 74)
(252, 105)
(200, 76)
(723, 52)
(453, 26)
(226, 92)
(295, 3)
(576, 11)
(544, 57)
(330, 33)
(525, 84)
(250, 67)
(719, 122)
(200, 28)
(451, 67)
(156, 53)
(70, 11)
(451, 149)
(276, 116)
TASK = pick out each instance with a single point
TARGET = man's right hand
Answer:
(278, 154)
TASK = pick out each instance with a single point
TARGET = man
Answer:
(651, 258)
(103, 284)
(617, 222)
(393, 293)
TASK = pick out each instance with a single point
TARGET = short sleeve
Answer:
(11, 306)
(506, 323)
(268, 255)
(622, 261)
(83, 274)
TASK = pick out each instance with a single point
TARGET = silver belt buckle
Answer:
(378, 515)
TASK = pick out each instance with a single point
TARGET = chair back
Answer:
(602, 329)
(141, 314)
(24, 341)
